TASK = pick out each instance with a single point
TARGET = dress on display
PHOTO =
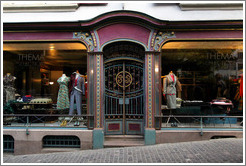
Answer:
(63, 99)
(9, 90)
(169, 89)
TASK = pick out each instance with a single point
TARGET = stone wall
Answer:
(32, 143)
(173, 136)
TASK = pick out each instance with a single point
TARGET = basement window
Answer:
(8, 143)
(61, 142)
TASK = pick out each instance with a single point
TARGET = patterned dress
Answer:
(8, 88)
(63, 99)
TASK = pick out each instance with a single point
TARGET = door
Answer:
(124, 97)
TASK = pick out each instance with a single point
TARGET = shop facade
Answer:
(123, 57)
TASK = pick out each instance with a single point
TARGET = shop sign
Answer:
(30, 59)
(221, 56)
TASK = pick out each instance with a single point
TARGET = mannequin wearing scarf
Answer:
(170, 83)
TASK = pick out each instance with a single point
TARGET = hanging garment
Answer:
(240, 107)
(9, 90)
(77, 89)
(63, 98)
(86, 90)
(169, 89)
(241, 87)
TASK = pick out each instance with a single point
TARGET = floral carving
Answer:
(87, 38)
(160, 38)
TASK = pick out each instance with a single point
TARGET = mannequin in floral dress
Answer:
(63, 99)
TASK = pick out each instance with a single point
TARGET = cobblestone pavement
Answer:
(213, 151)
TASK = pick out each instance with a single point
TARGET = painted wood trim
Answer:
(211, 6)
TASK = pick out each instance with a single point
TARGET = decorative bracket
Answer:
(87, 38)
(160, 39)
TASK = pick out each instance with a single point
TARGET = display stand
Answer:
(171, 115)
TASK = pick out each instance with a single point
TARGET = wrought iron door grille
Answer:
(133, 89)
(8, 143)
(123, 49)
(61, 141)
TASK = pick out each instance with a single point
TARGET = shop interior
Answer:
(38, 65)
(208, 71)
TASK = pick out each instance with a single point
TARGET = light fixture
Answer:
(52, 47)
(156, 69)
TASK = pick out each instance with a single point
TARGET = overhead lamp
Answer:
(52, 47)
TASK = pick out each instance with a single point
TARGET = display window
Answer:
(44, 73)
(196, 73)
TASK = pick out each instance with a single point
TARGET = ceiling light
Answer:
(52, 47)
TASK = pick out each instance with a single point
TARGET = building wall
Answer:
(174, 136)
(162, 11)
(32, 143)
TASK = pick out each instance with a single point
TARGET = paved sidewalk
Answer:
(213, 151)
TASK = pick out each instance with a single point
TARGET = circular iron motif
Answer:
(128, 79)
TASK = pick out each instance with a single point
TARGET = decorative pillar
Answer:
(98, 133)
(157, 89)
(149, 134)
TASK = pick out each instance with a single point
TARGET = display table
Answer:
(35, 106)
(221, 107)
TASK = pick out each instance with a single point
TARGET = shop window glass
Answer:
(36, 67)
(206, 71)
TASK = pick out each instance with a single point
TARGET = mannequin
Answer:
(77, 89)
(170, 83)
(63, 99)
(8, 90)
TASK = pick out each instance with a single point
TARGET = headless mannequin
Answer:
(169, 87)
(76, 95)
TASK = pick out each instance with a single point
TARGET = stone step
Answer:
(120, 143)
(111, 141)
(123, 137)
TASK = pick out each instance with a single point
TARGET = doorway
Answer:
(124, 94)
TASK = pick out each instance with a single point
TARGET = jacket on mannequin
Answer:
(170, 85)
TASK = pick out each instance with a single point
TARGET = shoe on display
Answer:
(80, 118)
(64, 123)
(68, 118)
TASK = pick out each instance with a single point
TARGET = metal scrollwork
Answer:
(87, 38)
(128, 79)
(161, 37)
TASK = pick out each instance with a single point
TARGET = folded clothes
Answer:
(41, 101)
